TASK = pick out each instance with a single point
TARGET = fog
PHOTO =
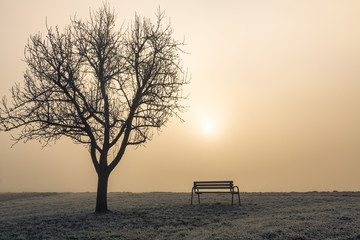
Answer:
(273, 100)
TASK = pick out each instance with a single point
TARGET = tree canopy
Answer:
(98, 85)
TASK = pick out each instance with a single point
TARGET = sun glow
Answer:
(207, 124)
(206, 121)
(209, 127)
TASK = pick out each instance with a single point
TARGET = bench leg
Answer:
(232, 199)
(192, 193)
(239, 198)
(199, 197)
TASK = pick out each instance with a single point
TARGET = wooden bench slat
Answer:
(213, 181)
(207, 184)
(211, 192)
(213, 186)
(209, 187)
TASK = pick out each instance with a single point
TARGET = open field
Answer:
(313, 215)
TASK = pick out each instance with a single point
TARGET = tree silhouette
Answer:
(99, 86)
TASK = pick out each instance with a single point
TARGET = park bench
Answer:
(201, 187)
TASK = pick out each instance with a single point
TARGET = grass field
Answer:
(312, 215)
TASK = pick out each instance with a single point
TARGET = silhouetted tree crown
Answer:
(98, 85)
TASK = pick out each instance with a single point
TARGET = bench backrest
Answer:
(213, 184)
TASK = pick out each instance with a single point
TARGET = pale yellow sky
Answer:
(274, 99)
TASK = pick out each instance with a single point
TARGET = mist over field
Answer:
(273, 100)
(310, 215)
(273, 106)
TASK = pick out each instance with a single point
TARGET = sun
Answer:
(208, 127)
(207, 123)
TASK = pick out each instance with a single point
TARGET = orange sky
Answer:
(274, 99)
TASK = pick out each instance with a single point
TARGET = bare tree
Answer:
(99, 86)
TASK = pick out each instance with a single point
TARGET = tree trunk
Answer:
(101, 199)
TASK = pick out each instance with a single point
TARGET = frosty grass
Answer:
(312, 215)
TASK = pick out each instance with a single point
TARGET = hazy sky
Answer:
(274, 99)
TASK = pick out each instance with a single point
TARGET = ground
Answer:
(311, 215)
